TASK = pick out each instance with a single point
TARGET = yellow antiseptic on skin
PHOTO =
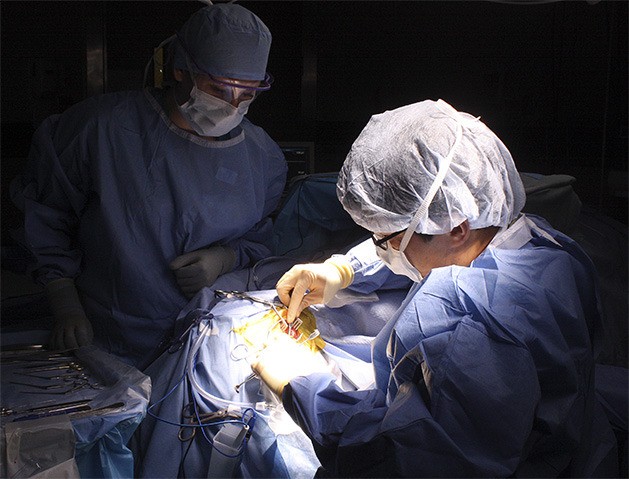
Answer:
(263, 331)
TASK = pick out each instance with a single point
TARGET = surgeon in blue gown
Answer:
(135, 200)
(487, 368)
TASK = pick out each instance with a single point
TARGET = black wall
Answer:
(549, 78)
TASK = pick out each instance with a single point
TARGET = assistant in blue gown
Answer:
(115, 191)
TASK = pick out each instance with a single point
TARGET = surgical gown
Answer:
(114, 192)
(485, 371)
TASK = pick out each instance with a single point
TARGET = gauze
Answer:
(431, 166)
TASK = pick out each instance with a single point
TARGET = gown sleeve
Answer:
(255, 244)
(475, 420)
(52, 193)
(370, 272)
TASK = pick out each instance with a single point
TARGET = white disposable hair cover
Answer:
(429, 167)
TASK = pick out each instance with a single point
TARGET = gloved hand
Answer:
(278, 363)
(72, 328)
(200, 268)
(313, 283)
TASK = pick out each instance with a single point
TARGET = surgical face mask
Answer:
(211, 116)
(397, 262)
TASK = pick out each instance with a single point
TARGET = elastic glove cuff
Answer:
(344, 268)
(63, 297)
(228, 259)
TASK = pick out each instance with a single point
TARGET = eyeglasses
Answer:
(384, 242)
(230, 91)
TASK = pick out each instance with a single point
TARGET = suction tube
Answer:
(204, 330)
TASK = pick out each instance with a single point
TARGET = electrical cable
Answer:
(193, 385)
(189, 373)
(179, 424)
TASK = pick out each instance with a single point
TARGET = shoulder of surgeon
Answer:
(518, 278)
(261, 139)
(120, 108)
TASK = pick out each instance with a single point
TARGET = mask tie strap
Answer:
(444, 166)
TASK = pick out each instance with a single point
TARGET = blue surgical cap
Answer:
(224, 40)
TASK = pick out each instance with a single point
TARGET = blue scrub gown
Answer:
(114, 192)
(485, 370)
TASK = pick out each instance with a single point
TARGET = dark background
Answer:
(550, 78)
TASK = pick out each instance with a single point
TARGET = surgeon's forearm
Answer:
(63, 297)
(254, 245)
(370, 272)
(310, 398)
(330, 417)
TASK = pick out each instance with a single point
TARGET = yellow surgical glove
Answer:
(285, 359)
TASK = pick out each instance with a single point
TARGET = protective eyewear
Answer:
(227, 90)
(383, 242)
(232, 90)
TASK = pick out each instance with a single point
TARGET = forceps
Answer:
(194, 421)
(178, 343)
(75, 385)
(72, 365)
(246, 380)
(242, 295)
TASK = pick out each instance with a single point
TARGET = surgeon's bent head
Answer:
(423, 170)
(220, 61)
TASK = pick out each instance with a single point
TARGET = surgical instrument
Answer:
(242, 295)
(35, 358)
(80, 410)
(64, 406)
(315, 334)
(199, 315)
(203, 419)
(40, 386)
(79, 384)
(54, 367)
(34, 467)
(64, 375)
(247, 379)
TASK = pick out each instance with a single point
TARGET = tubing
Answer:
(203, 329)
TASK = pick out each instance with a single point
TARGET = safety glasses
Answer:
(226, 89)
(231, 90)
(383, 242)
